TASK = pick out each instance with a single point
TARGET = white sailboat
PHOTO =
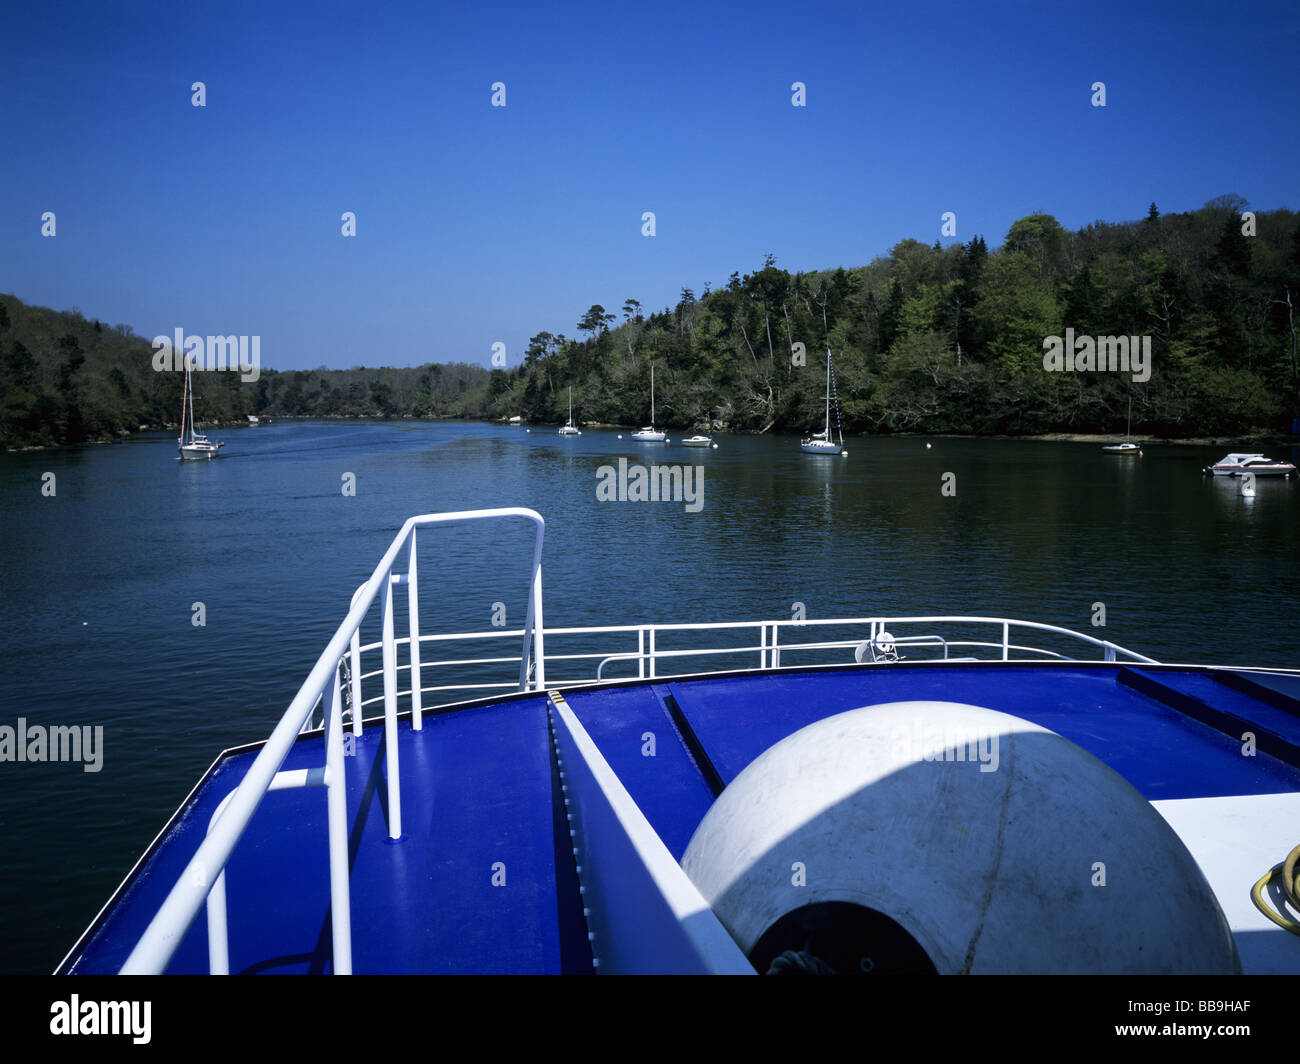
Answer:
(569, 428)
(191, 444)
(649, 434)
(821, 442)
(1128, 447)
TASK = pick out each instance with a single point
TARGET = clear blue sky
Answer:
(479, 224)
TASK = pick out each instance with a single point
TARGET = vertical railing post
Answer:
(1006, 641)
(413, 620)
(218, 936)
(651, 633)
(776, 647)
(762, 646)
(640, 653)
(539, 647)
(390, 714)
(356, 670)
(534, 648)
(337, 812)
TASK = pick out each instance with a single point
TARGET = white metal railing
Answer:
(771, 645)
(203, 879)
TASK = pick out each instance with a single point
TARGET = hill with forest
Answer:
(950, 339)
(929, 338)
(65, 379)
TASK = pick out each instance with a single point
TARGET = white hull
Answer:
(570, 429)
(1259, 471)
(1239, 462)
(820, 447)
(198, 451)
(1122, 448)
(650, 436)
(697, 441)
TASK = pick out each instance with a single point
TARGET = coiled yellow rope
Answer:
(1290, 884)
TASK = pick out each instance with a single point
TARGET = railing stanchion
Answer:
(640, 651)
(356, 669)
(762, 646)
(390, 715)
(776, 645)
(651, 633)
(218, 935)
(413, 620)
(538, 629)
(337, 811)
(1006, 641)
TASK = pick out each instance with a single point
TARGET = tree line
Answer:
(70, 380)
(929, 338)
(934, 338)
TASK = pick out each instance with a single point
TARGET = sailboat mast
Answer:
(185, 394)
(828, 394)
(1129, 431)
(652, 395)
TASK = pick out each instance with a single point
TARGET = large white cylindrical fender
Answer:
(996, 844)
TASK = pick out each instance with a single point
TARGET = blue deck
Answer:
(480, 787)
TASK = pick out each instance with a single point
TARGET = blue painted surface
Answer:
(667, 787)
(1161, 752)
(634, 928)
(478, 789)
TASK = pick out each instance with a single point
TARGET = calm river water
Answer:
(99, 581)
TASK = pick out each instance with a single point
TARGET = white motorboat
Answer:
(193, 445)
(821, 442)
(698, 441)
(253, 420)
(650, 434)
(1235, 464)
(570, 429)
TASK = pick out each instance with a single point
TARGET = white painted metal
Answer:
(413, 623)
(356, 669)
(704, 944)
(1236, 839)
(392, 767)
(769, 650)
(173, 918)
(1013, 819)
(337, 813)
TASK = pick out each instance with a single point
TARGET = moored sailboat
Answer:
(191, 444)
(570, 429)
(1128, 447)
(821, 442)
(650, 434)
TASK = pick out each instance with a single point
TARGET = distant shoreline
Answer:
(1272, 440)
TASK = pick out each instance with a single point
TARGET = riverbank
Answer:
(1259, 438)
